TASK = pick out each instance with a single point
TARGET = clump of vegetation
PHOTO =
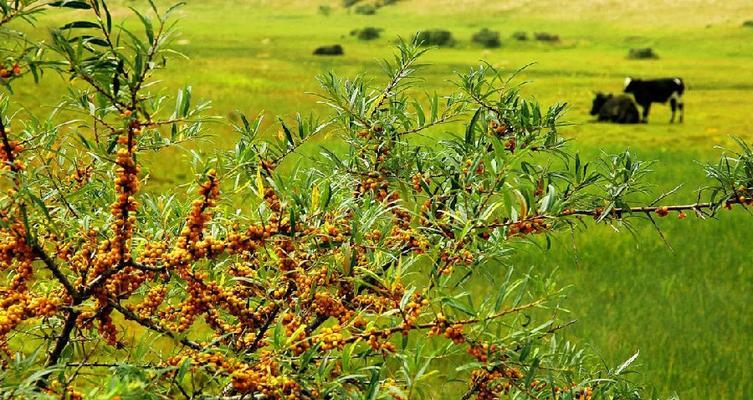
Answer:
(353, 277)
(642, 53)
(325, 10)
(435, 37)
(546, 37)
(487, 38)
(368, 9)
(365, 9)
(748, 23)
(367, 33)
(333, 50)
(520, 35)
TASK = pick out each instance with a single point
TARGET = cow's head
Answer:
(630, 84)
(599, 101)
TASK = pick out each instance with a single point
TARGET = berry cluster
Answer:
(528, 226)
(418, 180)
(499, 129)
(494, 383)
(9, 71)
(8, 157)
(442, 327)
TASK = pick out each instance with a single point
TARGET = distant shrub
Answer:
(642, 53)
(333, 50)
(366, 9)
(388, 2)
(325, 10)
(367, 33)
(520, 35)
(435, 37)
(748, 23)
(487, 38)
(546, 37)
(350, 3)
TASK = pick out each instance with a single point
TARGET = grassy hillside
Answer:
(687, 308)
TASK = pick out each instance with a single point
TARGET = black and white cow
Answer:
(646, 92)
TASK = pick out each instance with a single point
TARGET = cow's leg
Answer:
(681, 105)
(673, 105)
(646, 108)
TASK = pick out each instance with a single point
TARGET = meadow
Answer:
(686, 305)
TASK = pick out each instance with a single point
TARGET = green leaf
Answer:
(148, 28)
(288, 134)
(79, 5)
(626, 364)
(470, 136)
(457, 305)
(80, 25)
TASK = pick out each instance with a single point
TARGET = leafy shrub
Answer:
(642, 53)
(350, 3)
(367, 33)
(332, 50)
(325, 10)
(435, 37)
(487, 38)
(346, 279)
(520, 35)
(546, 37)
(384, 3)
(366, 9)
(748, 23)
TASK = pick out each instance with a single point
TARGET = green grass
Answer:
(686, 309)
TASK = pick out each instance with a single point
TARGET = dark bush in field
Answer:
(325, 10)
(435, 37)
(366, 9)
(487, 38)
(520, 35)
(334, 50)
(387, 2)
(350, 3)
(643, 53)
(367, 33)
(748, 23)
(546, 37)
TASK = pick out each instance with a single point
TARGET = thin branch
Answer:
(151, 325)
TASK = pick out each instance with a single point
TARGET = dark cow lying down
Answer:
(620, 109)
(657, 91)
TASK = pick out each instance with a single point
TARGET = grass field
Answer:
(687, 309)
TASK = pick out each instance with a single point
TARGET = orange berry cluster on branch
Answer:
(412, 311)
(17, 307)
(442, 327)
(8, 157)
(81, 175)
(379, 341)
(9, 71)
(374, 183)
(499, 129)
(265, 379)
(528, 226)
(492, 384)
(482, 352)
(192, 235)
(417, 180)
(126, 187)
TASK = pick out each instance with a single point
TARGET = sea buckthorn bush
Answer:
(362, 274)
